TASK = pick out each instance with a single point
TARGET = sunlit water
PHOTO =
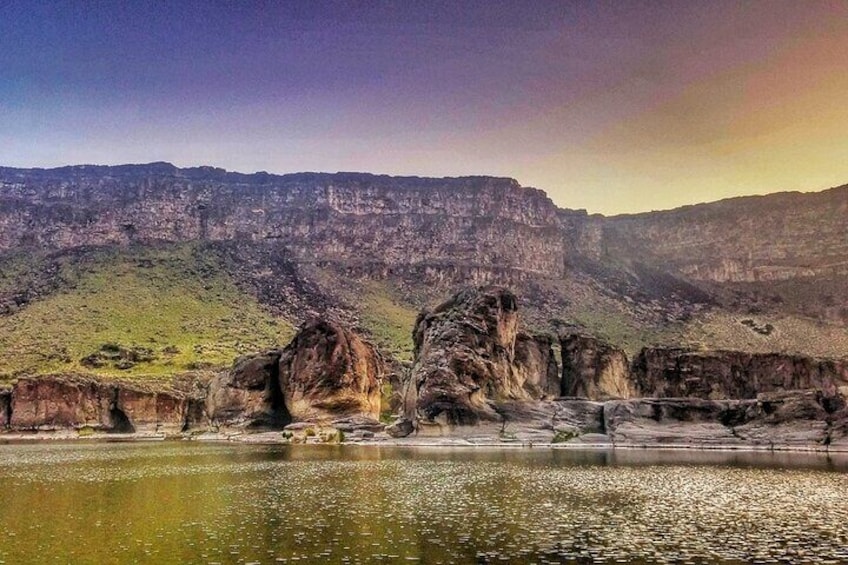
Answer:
(218, 503)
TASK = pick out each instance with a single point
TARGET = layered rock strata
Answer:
(351, 218)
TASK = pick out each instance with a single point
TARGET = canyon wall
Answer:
(759, 238)
(481, 222)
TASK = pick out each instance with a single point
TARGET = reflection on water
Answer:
(187, 502)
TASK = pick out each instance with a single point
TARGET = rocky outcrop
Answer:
(465, 361)
(592, 368)
(786, 419)
(73, 402)
(249, 394)
(672, 372)
(327, 372)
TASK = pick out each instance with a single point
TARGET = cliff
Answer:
(346, 217)
(759, 238)
(600, 371)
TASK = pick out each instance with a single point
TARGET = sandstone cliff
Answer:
(481, 222)
(75, 402)
(669, 372)
(594, 369)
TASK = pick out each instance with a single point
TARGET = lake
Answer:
(179, 502)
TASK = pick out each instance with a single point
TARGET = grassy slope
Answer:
(178, 302)
(171, 300)
(389, 319)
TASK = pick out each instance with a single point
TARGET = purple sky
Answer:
(614, 107)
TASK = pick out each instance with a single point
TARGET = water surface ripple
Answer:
(218, 503)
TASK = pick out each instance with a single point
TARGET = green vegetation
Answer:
(563, 436)
(149, 311)
(388, 318)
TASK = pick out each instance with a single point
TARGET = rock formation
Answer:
(249, 394)
(327, 372)
(466, 362)
(5, 407)
(594, 369)
(74, 402)
(536, 365)
(674, 372)
(475, 222)
(786, 419)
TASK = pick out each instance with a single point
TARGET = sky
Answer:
(614, 107)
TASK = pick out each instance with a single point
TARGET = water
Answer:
(217, 503)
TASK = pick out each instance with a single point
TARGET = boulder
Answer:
(592, 368)
(249, 394)
(327, 372)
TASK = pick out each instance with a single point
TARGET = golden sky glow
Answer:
(613, 107)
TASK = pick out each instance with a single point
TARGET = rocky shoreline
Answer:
(476, 379)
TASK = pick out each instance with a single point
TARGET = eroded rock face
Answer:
(466, 361)
(592, 368)
(338, 217)
(50, 403)
(536, 366)
(328, 372)
(69, 401)
(785, 419)
(249, 393)
(142, 411)
(669, 372)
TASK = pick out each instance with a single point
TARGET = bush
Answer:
(563, 436)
